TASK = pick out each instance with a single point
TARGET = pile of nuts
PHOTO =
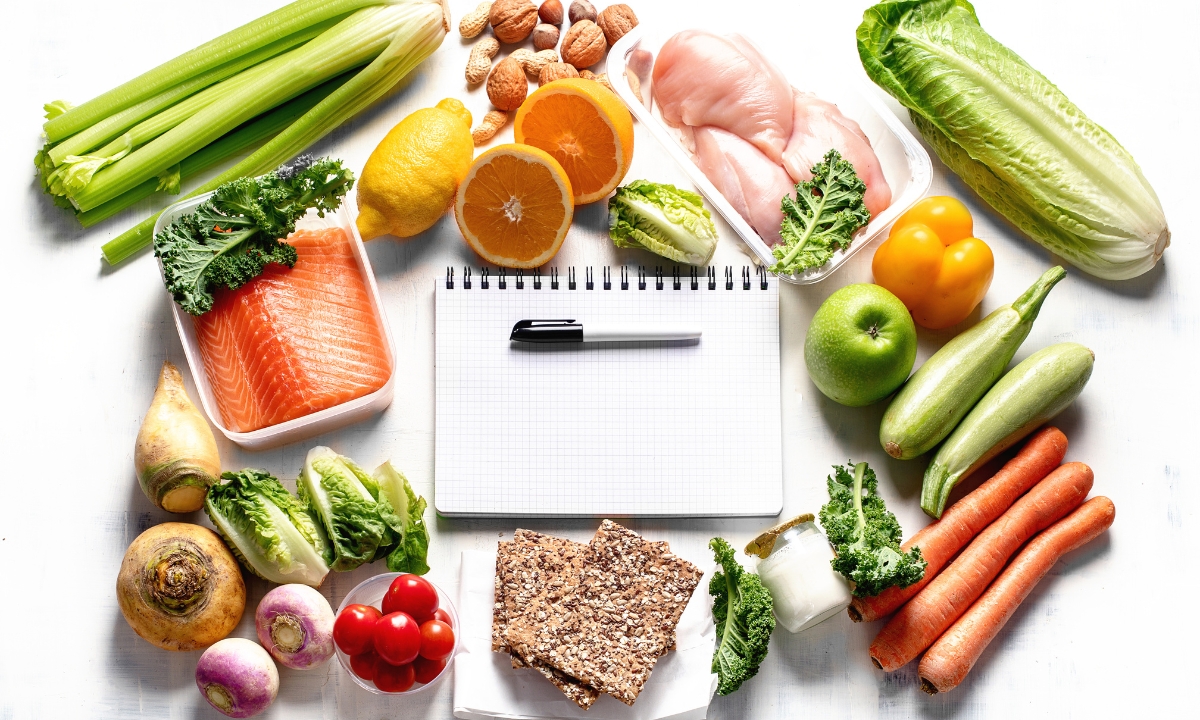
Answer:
(585, 43)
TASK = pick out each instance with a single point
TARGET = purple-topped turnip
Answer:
(237, 677)
(295, 625)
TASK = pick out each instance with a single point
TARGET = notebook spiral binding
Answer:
(589, 281)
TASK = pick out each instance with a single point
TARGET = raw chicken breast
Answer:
(752, 183)
(818, 126)
(705, 79)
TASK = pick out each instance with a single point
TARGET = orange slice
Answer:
(514, 207)
(587, 129)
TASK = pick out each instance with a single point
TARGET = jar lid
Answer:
(765, 542)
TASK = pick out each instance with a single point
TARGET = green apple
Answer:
(861, 345)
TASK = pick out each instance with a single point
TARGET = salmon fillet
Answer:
(293, 342)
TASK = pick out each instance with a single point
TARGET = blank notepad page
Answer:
(608, 428)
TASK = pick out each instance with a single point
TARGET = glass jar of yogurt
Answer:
(806, 590)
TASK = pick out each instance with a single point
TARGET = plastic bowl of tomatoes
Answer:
(396, 634)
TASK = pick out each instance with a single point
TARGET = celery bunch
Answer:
(280, 82)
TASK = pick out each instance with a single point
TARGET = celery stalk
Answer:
(255, 34)
(414, 42)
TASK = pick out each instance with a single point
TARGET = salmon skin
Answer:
(293, 342)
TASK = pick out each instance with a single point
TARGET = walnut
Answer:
(581, 10)
(512, 20)
(507, 86)
(557, 71)
(584, 44)
(551, 12)
(615, 21)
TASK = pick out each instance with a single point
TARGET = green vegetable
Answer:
(949, 384)
(823, 217)
(412, 546)
(865, 535)
(663, 219)
(744, 614)
(1030, 394)
(229, 238)
(273, 534)
(1014, 137)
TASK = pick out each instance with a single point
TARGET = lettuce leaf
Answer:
(403, 509)
(1014, 137)
(663, 219)
(348, 511)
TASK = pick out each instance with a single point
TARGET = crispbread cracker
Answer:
(609, 630)
(500, 604)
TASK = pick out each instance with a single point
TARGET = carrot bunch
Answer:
(956, 609)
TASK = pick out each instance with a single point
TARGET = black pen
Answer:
(548, 331)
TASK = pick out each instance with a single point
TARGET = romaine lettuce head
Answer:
(347, 509)
(1014, 137)
(269, 530)
(663, 219)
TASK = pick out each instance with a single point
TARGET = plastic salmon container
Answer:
(314, 424)
(904, 162)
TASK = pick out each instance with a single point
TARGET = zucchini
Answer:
(1030, 394)
(949, 384)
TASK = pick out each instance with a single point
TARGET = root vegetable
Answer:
(180, 588)
(295, 624)
(176, 454)
(236, 676)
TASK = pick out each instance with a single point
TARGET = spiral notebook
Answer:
(608, 429)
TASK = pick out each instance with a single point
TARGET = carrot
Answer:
(940, 540)
(955, 653)
(920, 622)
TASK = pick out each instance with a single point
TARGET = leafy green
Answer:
(663, 219)
(346, 508)
(268, 529)
(404, 515)
(823, 216)
(232, 236)
(865, 535)
(1014, 137)
(744, 614)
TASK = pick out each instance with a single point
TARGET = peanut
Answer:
(475, 21)
(557, 71)
(481, 59)
(491, 124)
(506, 85)
(539, 60)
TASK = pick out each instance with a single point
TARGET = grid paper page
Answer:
(608, 428)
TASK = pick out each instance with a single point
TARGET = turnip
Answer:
(180, 588)
(236, 676)
(295, 625)
(176, 454)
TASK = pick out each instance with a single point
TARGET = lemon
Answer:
(412, 175)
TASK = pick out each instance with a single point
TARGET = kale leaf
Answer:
(232, 236)
(744, 613)
(823, 216)
(865, 535)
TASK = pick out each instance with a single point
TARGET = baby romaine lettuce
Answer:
(347, 509)
(404, 515)
(663, 219)
(268, 529)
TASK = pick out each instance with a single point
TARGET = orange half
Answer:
(514, 207)
(587, 129)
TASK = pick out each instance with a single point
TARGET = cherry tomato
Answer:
(364, 664)
(394, 678)
(427, 670)
(397, 638)
(411, 594)
(443, 616)
(908, 263)
(964, 279)
(947, 217)
(354, 629)
(437, 640)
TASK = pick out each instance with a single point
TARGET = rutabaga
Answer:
(1014, 137)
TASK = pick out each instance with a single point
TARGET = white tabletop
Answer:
(1108, 631)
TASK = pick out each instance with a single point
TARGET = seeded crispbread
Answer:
(609, 630)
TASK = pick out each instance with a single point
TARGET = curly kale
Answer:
(229, 238)
(744, 613)
(865, 535)
(823, 216)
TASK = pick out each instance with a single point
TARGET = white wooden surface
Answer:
(1108, 631)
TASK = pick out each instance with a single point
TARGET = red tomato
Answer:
(394, 678)
(397, 638)
(443, 616)
(411, 594)
(427, 670)
(437, 640)
(363, 665)
(354, 629)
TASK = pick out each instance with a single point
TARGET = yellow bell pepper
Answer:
(933, 264)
